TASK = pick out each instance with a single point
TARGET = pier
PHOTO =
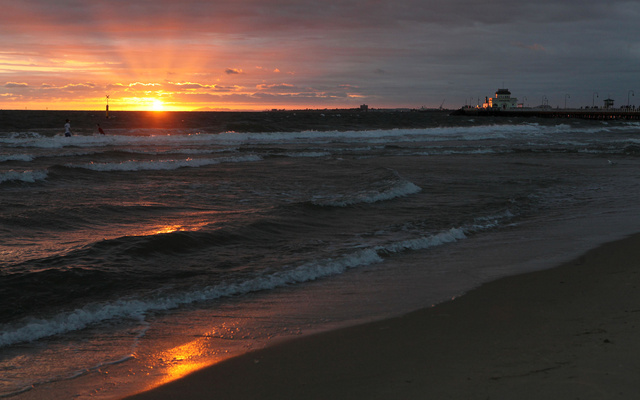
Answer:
(583, 113)
(503, 105)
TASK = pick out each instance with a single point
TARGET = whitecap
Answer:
(23, 176)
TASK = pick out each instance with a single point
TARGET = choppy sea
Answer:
(132, 258)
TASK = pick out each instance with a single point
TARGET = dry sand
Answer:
(565, 333)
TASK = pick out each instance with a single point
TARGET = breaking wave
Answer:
(23, 176)
(162, 164)
(137, 309)
(16, 157)
(401, 189)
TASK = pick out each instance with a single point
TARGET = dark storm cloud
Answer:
(242, 16)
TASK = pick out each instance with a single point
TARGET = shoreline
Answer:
(564, 332)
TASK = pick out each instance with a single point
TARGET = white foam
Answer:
(177, 138)
(460, 152)
(134, 165)
(309, 154)
(137, 309)
(180, 151)
(24, 135)
(23, 176)
(489, 222)
(426, 242)
(401, 189)
(15, 157)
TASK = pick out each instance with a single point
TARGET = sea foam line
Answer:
(178, 137)
(23, 176)
(137, 309)
(15, 157)
(182, 151)
(402, 189)
(162, 164)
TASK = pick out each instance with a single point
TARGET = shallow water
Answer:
(133, 258)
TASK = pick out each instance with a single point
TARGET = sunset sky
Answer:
(258, 55)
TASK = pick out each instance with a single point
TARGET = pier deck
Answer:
(584, 113)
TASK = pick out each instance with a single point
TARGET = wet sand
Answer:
(564, 333)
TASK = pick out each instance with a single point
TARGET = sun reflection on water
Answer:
(182, 360)
(166, 229)
(208, 349)
(171, 228)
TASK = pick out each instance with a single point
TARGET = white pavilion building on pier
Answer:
(502, 100)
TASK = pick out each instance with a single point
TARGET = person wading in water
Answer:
(67, 128)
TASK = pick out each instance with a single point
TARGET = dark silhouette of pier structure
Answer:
(584, 113)
(503, 105)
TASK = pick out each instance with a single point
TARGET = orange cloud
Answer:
(16, 85)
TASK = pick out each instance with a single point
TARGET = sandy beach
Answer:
(568, 332)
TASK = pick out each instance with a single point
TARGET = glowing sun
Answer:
(157, 105)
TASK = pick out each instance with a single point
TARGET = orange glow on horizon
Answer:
(73, 80)
(151, 104)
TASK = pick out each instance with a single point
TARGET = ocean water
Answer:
(130, 259)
